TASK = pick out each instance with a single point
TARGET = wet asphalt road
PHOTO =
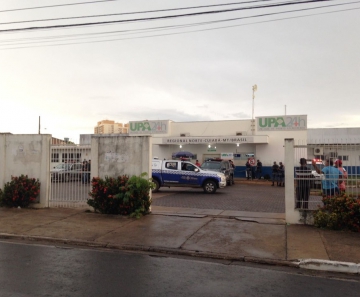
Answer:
(40, 270)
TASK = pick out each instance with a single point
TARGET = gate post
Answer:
(292, 216)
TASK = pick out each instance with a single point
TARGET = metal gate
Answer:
(70, 175)
(342, 154)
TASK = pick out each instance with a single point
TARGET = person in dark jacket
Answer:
(275, 176)
(281, 174)
(248, 170)
(303, 176)
(258, 169)
(89, 169)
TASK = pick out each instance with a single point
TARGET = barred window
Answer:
(55, 157)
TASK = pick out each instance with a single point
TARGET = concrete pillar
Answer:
(292, 216)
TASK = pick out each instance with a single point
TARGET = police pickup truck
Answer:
(176, 173)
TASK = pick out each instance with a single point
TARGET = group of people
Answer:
(332, 184)
(278, 174)
(253, 172)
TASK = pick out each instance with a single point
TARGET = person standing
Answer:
(248, 170)
(275, 169)
(84, 171)
(258, 169)
(232, 164)
(332, 176)
(253, 172)
(89, 171)
(197, 163)
(303, 176)
(342, 184)
(281, 174)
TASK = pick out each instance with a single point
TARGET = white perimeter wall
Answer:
(28, 155)
(118, 155)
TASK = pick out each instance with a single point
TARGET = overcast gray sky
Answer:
(306, 60)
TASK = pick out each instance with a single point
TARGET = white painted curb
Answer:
(326, 265)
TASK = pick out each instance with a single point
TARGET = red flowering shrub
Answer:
(20, 191)
(121, 195)
(339, 213)
(103, 192)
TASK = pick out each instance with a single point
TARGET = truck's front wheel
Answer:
(157, 186)
(209, 187)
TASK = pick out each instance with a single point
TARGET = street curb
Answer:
(326, 265)
(161, 250)
(311, 264)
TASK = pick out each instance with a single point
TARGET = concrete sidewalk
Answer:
(234, 235)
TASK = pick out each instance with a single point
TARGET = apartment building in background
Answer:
(110, 127)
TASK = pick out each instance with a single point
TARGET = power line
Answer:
(56, 5)
(186, 32)
(139, 12)
(169, 16)
(151, 29)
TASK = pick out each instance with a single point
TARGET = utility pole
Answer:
(39, 125)
(254, 88)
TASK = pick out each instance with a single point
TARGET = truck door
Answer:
(171, 172)
(188, 175)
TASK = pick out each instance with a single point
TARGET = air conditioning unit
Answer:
(240, 133)
(318, 151)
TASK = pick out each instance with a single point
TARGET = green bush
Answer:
(121, 195)
(20, 191)
(339, 213)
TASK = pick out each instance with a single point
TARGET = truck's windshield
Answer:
(211, 166)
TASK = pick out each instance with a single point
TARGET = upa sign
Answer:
(148, 127)
(227, 156)
(282, 123)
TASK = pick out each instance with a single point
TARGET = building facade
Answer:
(110, 127)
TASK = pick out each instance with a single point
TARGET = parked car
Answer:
(220, 165)
(66, 172)
(175, 173)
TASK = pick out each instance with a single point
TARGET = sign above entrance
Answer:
(282, 123)
(215, 139)
(148, 127)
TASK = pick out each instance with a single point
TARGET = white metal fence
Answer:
(70, 175)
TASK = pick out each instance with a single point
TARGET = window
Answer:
(344, 158)
(171, 165)
(54, 157)
(188, 167)
(71, 157)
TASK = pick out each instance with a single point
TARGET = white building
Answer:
(262, 138)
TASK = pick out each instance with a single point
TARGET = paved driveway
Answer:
(240, 197)
(251, 196)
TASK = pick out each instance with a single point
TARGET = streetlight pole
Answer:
(254, 88)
